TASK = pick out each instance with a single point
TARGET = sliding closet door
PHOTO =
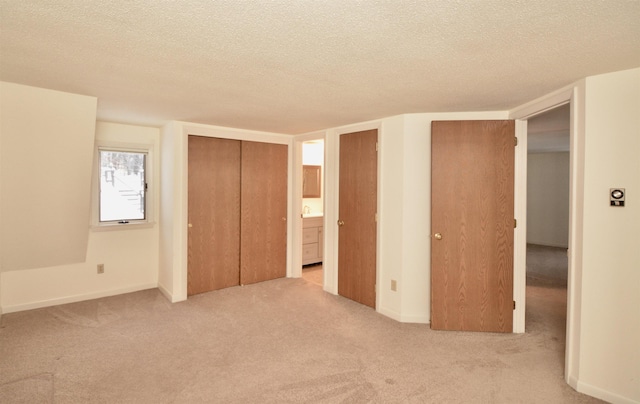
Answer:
(263, 235)
(213, 260)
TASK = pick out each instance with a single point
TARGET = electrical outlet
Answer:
(394, 285)
(100, 268)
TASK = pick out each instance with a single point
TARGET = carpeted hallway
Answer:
(282, 341)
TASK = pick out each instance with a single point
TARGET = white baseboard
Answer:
(389, 313)
(170, 296)
(418, 319)
(165, 293)
(573, 382)
(76, 298)
(605, 395)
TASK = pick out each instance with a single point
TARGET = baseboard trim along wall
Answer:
(76, 298)
(418, 319)
(607, 396)
(173, 298)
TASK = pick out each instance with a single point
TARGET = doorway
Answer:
(312, 207)
(548, 158)
(547, 238)
(570, 318)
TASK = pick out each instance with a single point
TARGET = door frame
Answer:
(568, 95)
(177, 135)
(330, 179)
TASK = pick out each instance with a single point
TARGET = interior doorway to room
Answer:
(312, 207)
(548, 189)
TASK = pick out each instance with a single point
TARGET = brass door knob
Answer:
(340, 223)
(190, 225)
(437, 236)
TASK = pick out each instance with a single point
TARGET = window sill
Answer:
(122, 226)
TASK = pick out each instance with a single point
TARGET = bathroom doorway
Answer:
(313, 211)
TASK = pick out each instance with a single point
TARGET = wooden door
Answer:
(358, 187)
(213, 258)
(472, 225)
(263, 240)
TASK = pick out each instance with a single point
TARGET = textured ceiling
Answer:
(294, 66)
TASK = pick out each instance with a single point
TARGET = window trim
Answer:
(149, 220)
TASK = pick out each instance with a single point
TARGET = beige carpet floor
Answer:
(548, 265)
(282, 341)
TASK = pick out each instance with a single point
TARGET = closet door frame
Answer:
(174, 241)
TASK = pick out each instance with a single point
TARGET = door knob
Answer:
(284, 219)
(190, 225)
(340, 223)
(437, 236)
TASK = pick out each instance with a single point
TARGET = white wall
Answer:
(172, 203)
(391, 172)
(130, 256)
(47, 138)
(1, 118)
(609, 356)
(548, 199)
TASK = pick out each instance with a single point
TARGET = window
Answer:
(122, 186)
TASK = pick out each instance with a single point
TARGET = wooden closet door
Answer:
(213, 258)
(263, 235)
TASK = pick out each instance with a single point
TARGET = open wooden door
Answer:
(472, 225)
(357, 225)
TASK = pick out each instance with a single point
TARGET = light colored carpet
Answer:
(549, 265)
(282, 341)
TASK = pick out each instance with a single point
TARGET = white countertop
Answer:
(309, 215)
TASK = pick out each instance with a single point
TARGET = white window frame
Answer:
(149, 220)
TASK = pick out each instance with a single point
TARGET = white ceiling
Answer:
(294, 66)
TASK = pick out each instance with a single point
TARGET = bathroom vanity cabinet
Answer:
(312, 240)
